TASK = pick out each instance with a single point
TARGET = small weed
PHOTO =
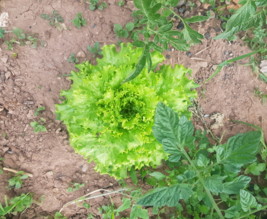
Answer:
(75, 187)
(2, 33)
(96, 4)
(123, 32)
(15, 205)
(37, 127)
(79, 21)
(58, 215)
(107, 211)
(53, 18)
(17, 181)
(72, 59)
(121, 3)
(38, 110)
(260, 94)
(95, 49)
(21, 38)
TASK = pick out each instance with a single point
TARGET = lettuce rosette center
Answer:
(110, 122)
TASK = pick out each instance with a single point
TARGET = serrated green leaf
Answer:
(233, 212)
(148, 9)
(255, 168)
(138, 212)
(191, 35)
(129, 26)
(166, 196)
(158, 175)
(178, 44)
(236, 185)
(170, 130)
(261, 3)
(241, 16)
(241, 149)
(215, 184)
(138, 43)
(195, 19)
(247, 201)
(126, 203)
(202, 160)
(165, 28)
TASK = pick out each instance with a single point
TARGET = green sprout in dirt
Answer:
(39, 110)
(17, 180)
(15, 205)
(73, 59)
(37, 127)
(21, 38)
(79, 21)
(123, 32)
(2, 33)
(258, 93)
(96, 4)
(75, 187)
(121, 3)
(95, 49)
(55, 19)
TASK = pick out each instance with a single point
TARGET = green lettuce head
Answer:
(110, 122)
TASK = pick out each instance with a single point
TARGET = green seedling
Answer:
(107, 211)
(2, 33)
(260, 94)
(75, 187)
(21, 38)
(95, 49)
(37, 127)
(79, 21)
(121, 3)
(58, 215)
(17, 181)
(55, 19)
(72, 59)
(96, 4)
(123, 32)
(15, 205)
(39, 110)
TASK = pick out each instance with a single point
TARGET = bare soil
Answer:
(35, 77)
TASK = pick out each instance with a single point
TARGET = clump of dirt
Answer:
(34, 77)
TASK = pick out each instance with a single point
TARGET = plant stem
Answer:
(252, 212)
(214, 204)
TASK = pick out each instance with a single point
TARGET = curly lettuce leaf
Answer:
(110, 122)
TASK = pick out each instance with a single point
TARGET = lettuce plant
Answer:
(110, 122)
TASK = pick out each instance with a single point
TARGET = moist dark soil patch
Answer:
(35, 77)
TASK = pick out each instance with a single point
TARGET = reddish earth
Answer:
(35, 77)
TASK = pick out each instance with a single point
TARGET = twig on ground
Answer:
(16, 171)
(88, 196)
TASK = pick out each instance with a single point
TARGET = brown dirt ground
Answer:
(35, 79)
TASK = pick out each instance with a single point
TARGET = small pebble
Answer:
(189, 54)
(81, 54)
(207, 35)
